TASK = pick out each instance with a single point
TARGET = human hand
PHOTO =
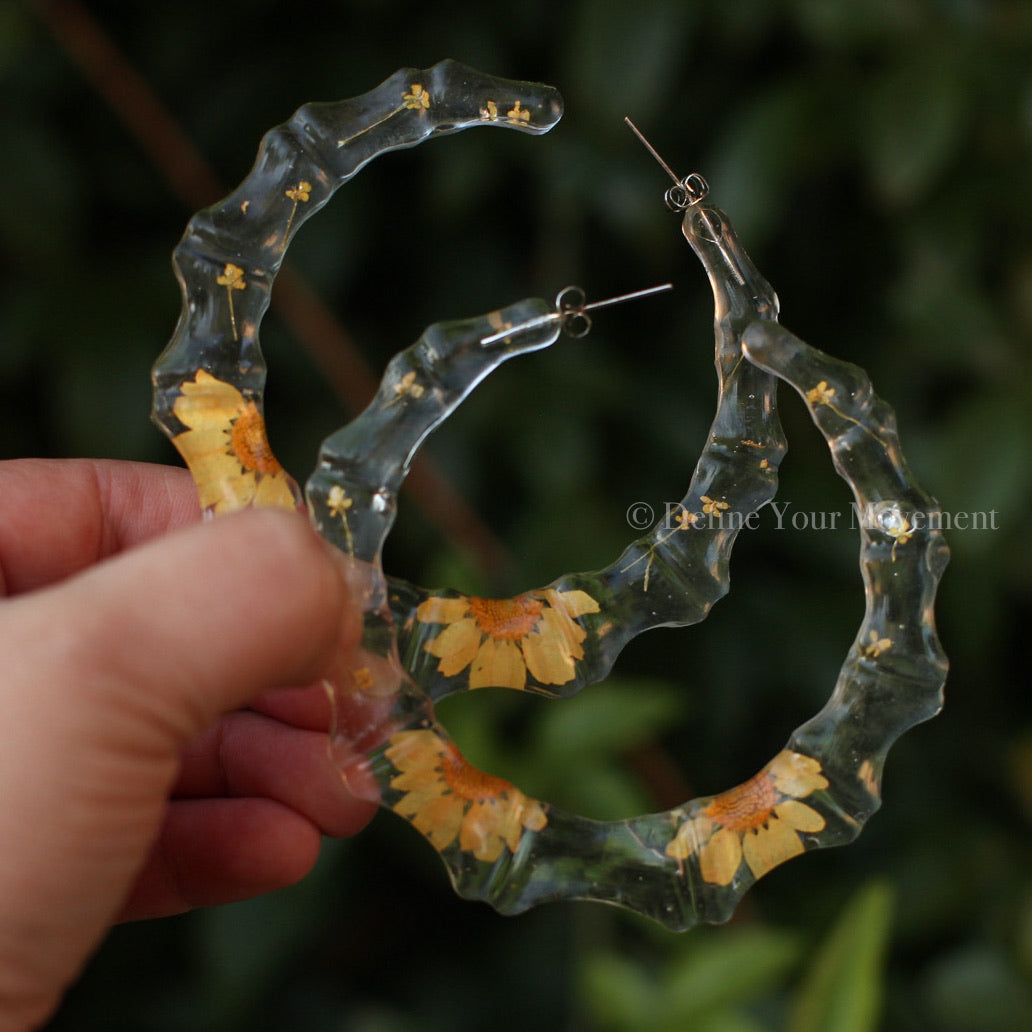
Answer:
(131, 782)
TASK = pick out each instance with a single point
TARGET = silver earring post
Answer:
(571, 311)
(685, 192)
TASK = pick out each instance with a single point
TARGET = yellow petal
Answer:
(456, 646)
(547, 653)
(691, 835)
(273, 492)
(796, 775)
(508, 827)
(799, 816)
(415, 801)
(221, 484)
(419, 779)
(721, 857)
(564, 624)
(479, 832)
(498, 664)
(204, 451)
(770, 845)
(684, 843)
(207, 403)
(442, 610)
(207, 447)
(532, 815)
(576, 603)
(408, 747)
(440, 820)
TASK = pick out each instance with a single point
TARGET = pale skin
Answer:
(154, 754)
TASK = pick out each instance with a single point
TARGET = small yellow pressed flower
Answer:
(417, 98)
(301, 192)
(822, 394)
(407, 387)
(711, 507)
(500, 640)
(446, 798)
(337, 505)
(518, 114)
(764, 464)
(337, 501)
(904, 535)
(876, 646)
(686, 519)
(499, 325)
(759, 821)
(232, 278)
(897, 526)
(489, 112)
(298, 194)
(227, 449)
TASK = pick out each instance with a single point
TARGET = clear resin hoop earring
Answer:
(687, 864)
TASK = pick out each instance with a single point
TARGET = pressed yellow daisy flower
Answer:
(759, 821)
(447, 799)
(500, 640)
(227, 449)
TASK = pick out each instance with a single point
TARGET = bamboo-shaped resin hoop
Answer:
(687, 864)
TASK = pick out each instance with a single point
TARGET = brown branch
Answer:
(193, 182)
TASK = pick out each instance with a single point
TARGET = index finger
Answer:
(59, 516)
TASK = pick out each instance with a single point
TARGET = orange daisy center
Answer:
(509, 619)
(466, 781)
(747, 807)
(250, 443)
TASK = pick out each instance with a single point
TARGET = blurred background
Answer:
(876, 161)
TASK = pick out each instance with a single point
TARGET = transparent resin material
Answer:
(694, 862)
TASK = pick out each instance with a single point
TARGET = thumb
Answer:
(181, 630)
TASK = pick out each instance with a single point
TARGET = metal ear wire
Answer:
(685, 192)
(571, 312)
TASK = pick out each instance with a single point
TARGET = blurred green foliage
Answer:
(875, 158)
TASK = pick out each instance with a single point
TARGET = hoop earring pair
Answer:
(681, 866)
